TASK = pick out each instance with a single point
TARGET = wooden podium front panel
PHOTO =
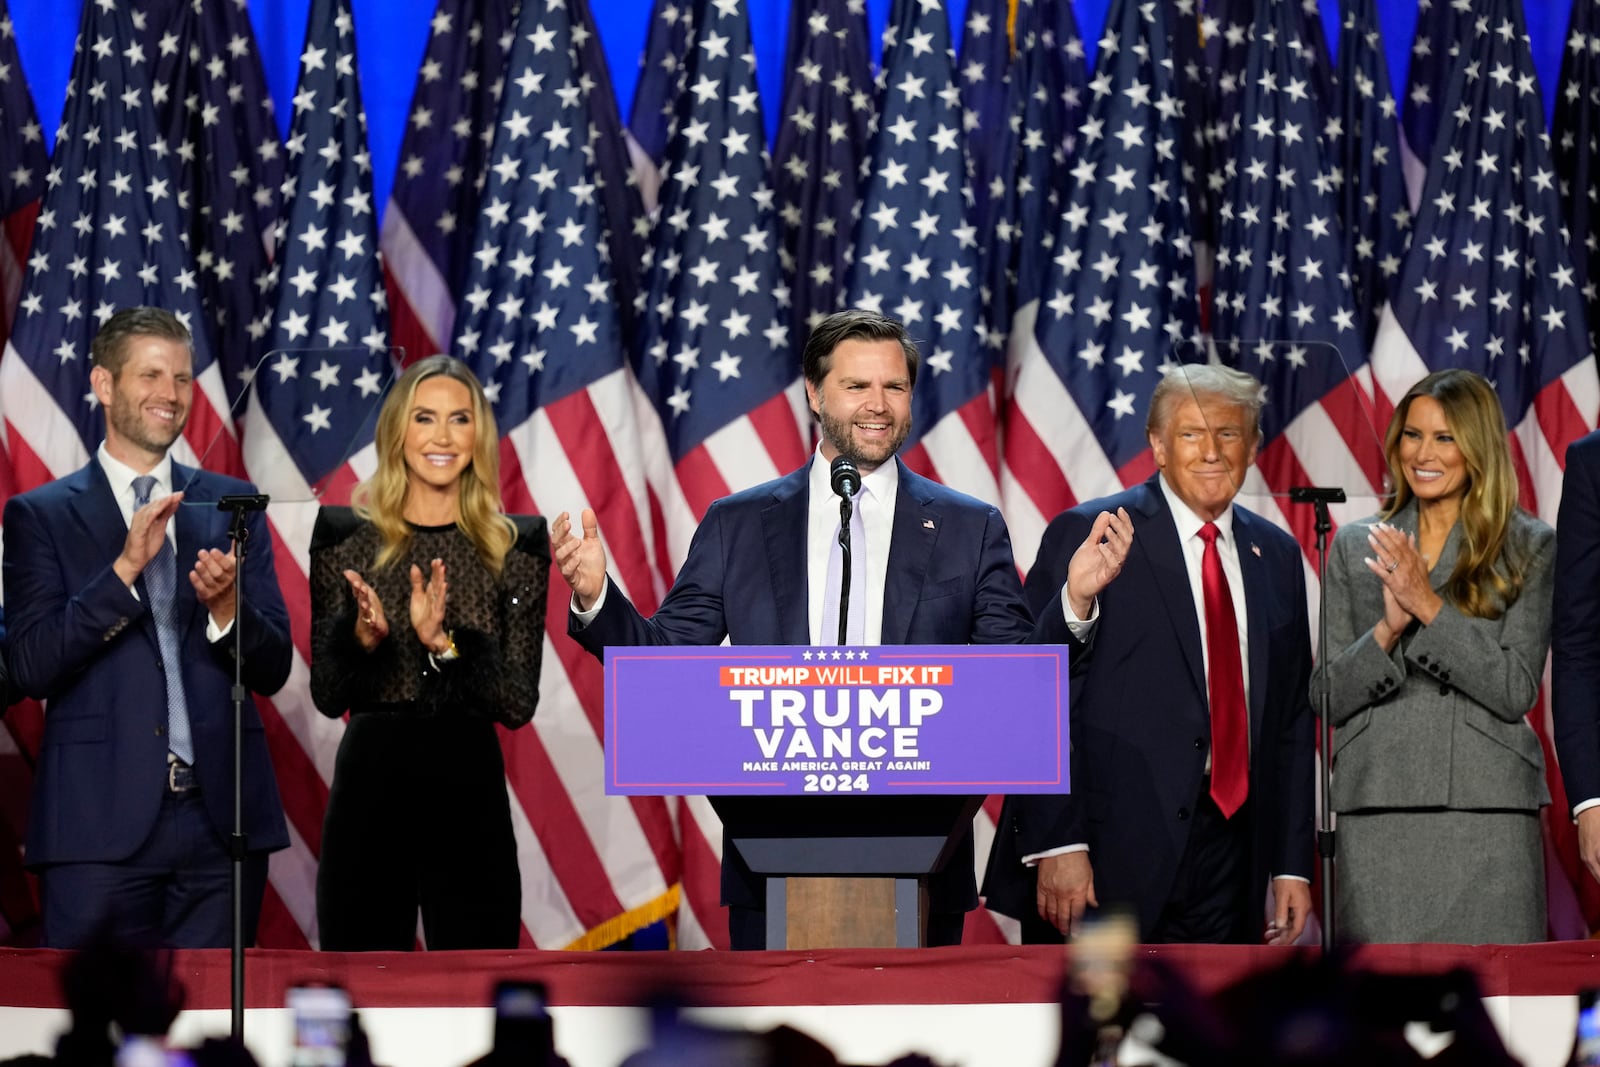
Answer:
(844, 913)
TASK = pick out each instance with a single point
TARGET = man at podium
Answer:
(929, 565)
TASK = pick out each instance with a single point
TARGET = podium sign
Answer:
(788, 720)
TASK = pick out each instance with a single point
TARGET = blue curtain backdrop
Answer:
(391, 35)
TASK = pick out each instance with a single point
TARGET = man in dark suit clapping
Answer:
(121, 608)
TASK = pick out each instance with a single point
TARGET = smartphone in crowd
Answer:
(321, 1025)
(1586, 1046)
(143, 1050)
(523, 1031)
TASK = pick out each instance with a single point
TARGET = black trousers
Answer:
(418, 821)
(1212, 899)
(1211, 896)
(176, 891)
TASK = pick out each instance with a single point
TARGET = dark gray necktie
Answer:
(161, 582)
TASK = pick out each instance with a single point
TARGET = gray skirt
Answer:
(1462, 877)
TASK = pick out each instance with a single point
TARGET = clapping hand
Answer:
(582, 561)
(371, 624)
(427, 606)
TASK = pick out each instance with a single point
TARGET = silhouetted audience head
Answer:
(113, 991)
(1310, 1012)
(222, 1052)
(1313, 1011)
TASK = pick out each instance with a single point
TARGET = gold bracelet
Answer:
(449, 653)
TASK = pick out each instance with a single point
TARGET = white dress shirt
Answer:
(879, 491)
(121, 477)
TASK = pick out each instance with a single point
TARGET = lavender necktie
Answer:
(161, 582)
(856, 634)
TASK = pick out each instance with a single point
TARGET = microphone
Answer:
(844, 476)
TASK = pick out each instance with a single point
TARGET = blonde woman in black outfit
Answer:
(427, 627)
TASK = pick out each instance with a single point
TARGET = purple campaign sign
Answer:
(767, 720)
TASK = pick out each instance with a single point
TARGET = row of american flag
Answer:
(635, 297)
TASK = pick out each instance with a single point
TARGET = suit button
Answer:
(1183, 813)
(1423, 659)
(160, 731)
(1199, 743)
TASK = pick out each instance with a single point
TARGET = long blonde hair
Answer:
(381, 499)
(1486, 580)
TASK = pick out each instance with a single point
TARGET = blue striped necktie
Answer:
(161, 582)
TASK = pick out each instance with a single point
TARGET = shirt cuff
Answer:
(1579, 809)
(1081, 628)
(214, 633)
(586, 617)
(1032, 859)
(1291, 878)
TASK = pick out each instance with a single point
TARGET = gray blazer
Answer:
(1439, 723)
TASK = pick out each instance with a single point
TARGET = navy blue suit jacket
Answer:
(951, 580)
(80, 640)
(1575, 626)
(1141, 724)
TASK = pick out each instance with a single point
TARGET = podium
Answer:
(846, 872)
(846, 777)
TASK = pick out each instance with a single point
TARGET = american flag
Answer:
(1225, 35)
(1282, 308)
(1365, 142)
(1225, 29)
(1025, 146)
(22, 175)
(917, 255)
(713, 354)
(311, 410)
(21, 187)
(1490, 285)
(1045, 100)
(539, 325)
(984, 75)
(433, 204)
(1577, 150)
(110, 234)
(660, 82)
(1118, 298)
(627, 225)
(211, 93)
(722, 406)
(22, 183)
(826, 121)
(1441, 26)
(1576, 144)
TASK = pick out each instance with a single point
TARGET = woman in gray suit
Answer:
(1440, 609)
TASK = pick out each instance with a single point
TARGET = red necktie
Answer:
(1230, 729)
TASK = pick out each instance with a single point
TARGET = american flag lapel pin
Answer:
(927, 524)
(1255, 549)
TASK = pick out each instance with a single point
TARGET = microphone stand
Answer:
(844, 577)
(239, 505)
(1319, 499)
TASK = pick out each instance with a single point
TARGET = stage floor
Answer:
(976, 1006)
